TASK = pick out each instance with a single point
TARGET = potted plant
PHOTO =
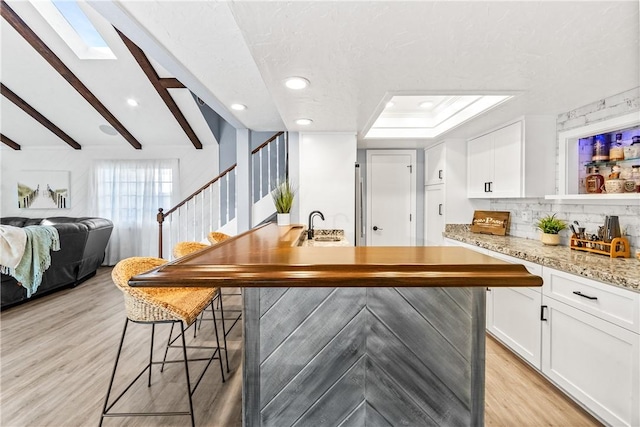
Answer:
(550, 227)
(282, 195)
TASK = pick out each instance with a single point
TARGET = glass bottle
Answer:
(616, 152)
(600, 148)
(594, 181)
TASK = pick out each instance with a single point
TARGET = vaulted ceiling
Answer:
(555, 56)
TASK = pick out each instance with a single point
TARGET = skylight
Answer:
(413, 116)
(74, 27)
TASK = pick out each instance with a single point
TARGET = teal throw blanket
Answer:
(41, 239)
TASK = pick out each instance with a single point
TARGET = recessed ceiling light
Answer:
(304, 122)
(296, 83)
(238, 107)
(390, 104)
(132, 102)
(426, 104)
(108, 130)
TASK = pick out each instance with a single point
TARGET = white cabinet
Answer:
(596, 362)
(513, 160)
(445, 195)
(434, 214)
(513, 314)
(582, 334)
(434, 160)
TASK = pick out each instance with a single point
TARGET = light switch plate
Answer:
(525, 216)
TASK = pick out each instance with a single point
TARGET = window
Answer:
(129, 193)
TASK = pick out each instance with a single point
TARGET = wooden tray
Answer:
(617, 248)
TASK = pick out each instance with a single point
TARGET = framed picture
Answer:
(43, 190)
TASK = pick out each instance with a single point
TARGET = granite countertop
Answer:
(325, 238)
(622, 272)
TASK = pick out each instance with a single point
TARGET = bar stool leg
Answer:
(113, 374)
(186, 371)
(215, 327)
(153, 330)
(224, 330)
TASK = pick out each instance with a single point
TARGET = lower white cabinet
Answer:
(513, 316)
(593, 360)
(582, 334)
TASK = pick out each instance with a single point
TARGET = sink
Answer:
(327, 238)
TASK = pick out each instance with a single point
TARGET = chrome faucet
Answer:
(310, 230)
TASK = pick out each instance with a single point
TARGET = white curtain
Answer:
(129, 193)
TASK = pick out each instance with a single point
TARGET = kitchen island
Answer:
(353, 336)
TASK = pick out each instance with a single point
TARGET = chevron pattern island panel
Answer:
(364, 357)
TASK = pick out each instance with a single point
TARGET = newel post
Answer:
(160, 218)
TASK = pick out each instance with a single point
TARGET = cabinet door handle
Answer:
(542, 312)
(490, 189)
(440, 209)
(486, 187)
(440, 174)
(488, 289)
(580, 294)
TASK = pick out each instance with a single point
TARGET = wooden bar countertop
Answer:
(270, 256)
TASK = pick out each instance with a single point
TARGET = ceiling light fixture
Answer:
(304, 122)
(426, 104)
(389, 104)
(108, 130)
(238, 107)
(132, 102)
(296, 83)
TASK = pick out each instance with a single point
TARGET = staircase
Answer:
(213, 206)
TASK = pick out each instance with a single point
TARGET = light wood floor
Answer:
(57, 352)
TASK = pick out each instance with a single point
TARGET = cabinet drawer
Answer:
(616, 305)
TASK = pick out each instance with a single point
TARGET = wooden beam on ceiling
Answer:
(171, 83)
(24, 106)
(32, 38)
(157, 83)
(9, 142)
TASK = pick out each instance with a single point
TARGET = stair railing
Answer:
(270, 164)
(214, 204)
(200, 211)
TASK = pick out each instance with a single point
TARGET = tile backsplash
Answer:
(525, 212)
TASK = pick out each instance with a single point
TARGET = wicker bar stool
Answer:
(214, 238)
(217, 237)
(179, 305)
(183, 249)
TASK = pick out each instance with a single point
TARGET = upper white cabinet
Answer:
(516, 159)
(445, 196)
(434, 164)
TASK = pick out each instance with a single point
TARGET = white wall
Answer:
(196, 168)
(326, 172)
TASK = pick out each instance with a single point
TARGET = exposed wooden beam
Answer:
(9, 142)
(171, 83)
(8, 93)
(155, 80)
(32, 38)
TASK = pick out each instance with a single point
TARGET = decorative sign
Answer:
(43, 190)
(490, 222)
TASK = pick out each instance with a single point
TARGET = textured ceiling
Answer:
(556, 55)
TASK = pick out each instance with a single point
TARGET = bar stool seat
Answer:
(175, 305)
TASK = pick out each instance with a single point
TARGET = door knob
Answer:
(376, 228)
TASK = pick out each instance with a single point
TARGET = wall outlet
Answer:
(525, 216)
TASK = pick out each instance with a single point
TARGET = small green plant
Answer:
(283, 194)
(550, 224)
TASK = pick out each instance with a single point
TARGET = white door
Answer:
(391, 197)
(434, 214)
